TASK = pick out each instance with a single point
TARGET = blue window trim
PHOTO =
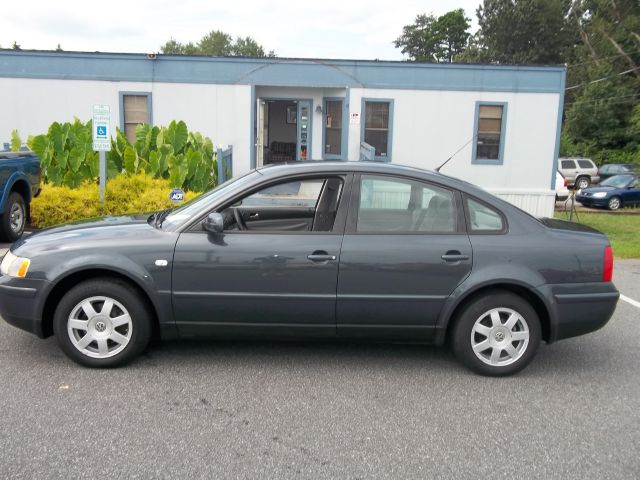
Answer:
(363, 119)
(503, 131)
(345, 130)
(556, 151)
(121, 96)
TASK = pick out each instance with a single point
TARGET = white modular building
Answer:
(500, 123)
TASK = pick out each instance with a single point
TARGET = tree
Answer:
(430, 38)
(219, 44)
(15, 46)
(522, 32)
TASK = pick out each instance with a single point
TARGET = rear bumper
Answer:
(18, 303)
(580, 308)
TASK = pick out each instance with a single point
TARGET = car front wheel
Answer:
(614, 203)
(496, 334)
(102, 323)
(14, 218)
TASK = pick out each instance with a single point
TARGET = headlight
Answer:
(14, 266)
(600, 195)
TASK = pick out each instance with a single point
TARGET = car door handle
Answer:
(454, 256)
(254, 216)
(321, 256)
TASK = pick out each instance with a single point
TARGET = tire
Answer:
(475, 325)
(614, 203)
(582, 182)
(93, 337)
(13, 219)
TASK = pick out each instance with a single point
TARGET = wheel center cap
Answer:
(499, 336)
(101, 326)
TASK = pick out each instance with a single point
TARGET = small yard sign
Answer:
(176, 195)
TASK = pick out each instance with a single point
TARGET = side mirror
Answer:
(214, 223)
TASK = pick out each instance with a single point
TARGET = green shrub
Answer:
(186, 159)
(125, 194)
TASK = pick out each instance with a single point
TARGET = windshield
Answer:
(618, 181)
(187, 210)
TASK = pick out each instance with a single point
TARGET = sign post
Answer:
(102, 141)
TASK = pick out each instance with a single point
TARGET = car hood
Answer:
(106, 229)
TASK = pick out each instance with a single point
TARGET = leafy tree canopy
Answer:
(219, 44)
(438, 39)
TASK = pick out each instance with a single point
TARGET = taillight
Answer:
(566, 182)
(607, 271)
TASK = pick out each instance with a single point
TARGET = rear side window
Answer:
(568, 164)
(586, 164)
(396, 205)
(483, 218)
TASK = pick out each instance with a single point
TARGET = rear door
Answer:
(404, 252)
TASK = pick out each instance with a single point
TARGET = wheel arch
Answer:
(526, 292)
(16, 183)
(68, 281)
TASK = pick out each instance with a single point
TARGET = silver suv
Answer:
(580, 172)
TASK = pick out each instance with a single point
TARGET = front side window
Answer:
(377, 127)
(305, 205)
(393, 205)
(483, 218)
(490, 133)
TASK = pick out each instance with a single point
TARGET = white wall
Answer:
(429, 126)
(221, 112)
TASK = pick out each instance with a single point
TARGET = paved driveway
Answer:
(321, 410)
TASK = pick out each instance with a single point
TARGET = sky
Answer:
(358, 29)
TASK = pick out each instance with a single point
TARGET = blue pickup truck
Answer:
(19, 183)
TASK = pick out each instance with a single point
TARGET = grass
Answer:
(623, 230)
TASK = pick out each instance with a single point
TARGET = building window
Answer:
(135, 109)
(490, 126)
(333, 124)
(377, 127)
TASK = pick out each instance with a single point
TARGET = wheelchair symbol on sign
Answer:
(101, 131)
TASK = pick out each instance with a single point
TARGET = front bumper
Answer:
(580, 308)
(592, 202)
(19, 305)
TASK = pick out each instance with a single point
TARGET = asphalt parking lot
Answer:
(322, 410)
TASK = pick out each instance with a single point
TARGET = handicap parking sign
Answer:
(102, 131)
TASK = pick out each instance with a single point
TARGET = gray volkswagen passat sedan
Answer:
(323, 250)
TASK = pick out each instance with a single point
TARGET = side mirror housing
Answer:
(214, 223)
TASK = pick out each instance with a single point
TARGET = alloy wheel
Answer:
(500, 336)
(99, 327)
(16, 217)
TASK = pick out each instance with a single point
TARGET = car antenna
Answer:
(456, 152)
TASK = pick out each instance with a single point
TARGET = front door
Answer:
(303, 150)
(404, 252)
(274, 270)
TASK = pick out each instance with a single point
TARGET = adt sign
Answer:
(176, 195)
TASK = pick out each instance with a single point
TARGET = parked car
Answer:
(613, 193)
(562, 192)
(322, 250)
(19, 183)
(611, 169)
(579, 172)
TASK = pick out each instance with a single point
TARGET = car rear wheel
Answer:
(582, 182)
(496, 334)
(13, 219)
(614, 203)
(102, 323)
